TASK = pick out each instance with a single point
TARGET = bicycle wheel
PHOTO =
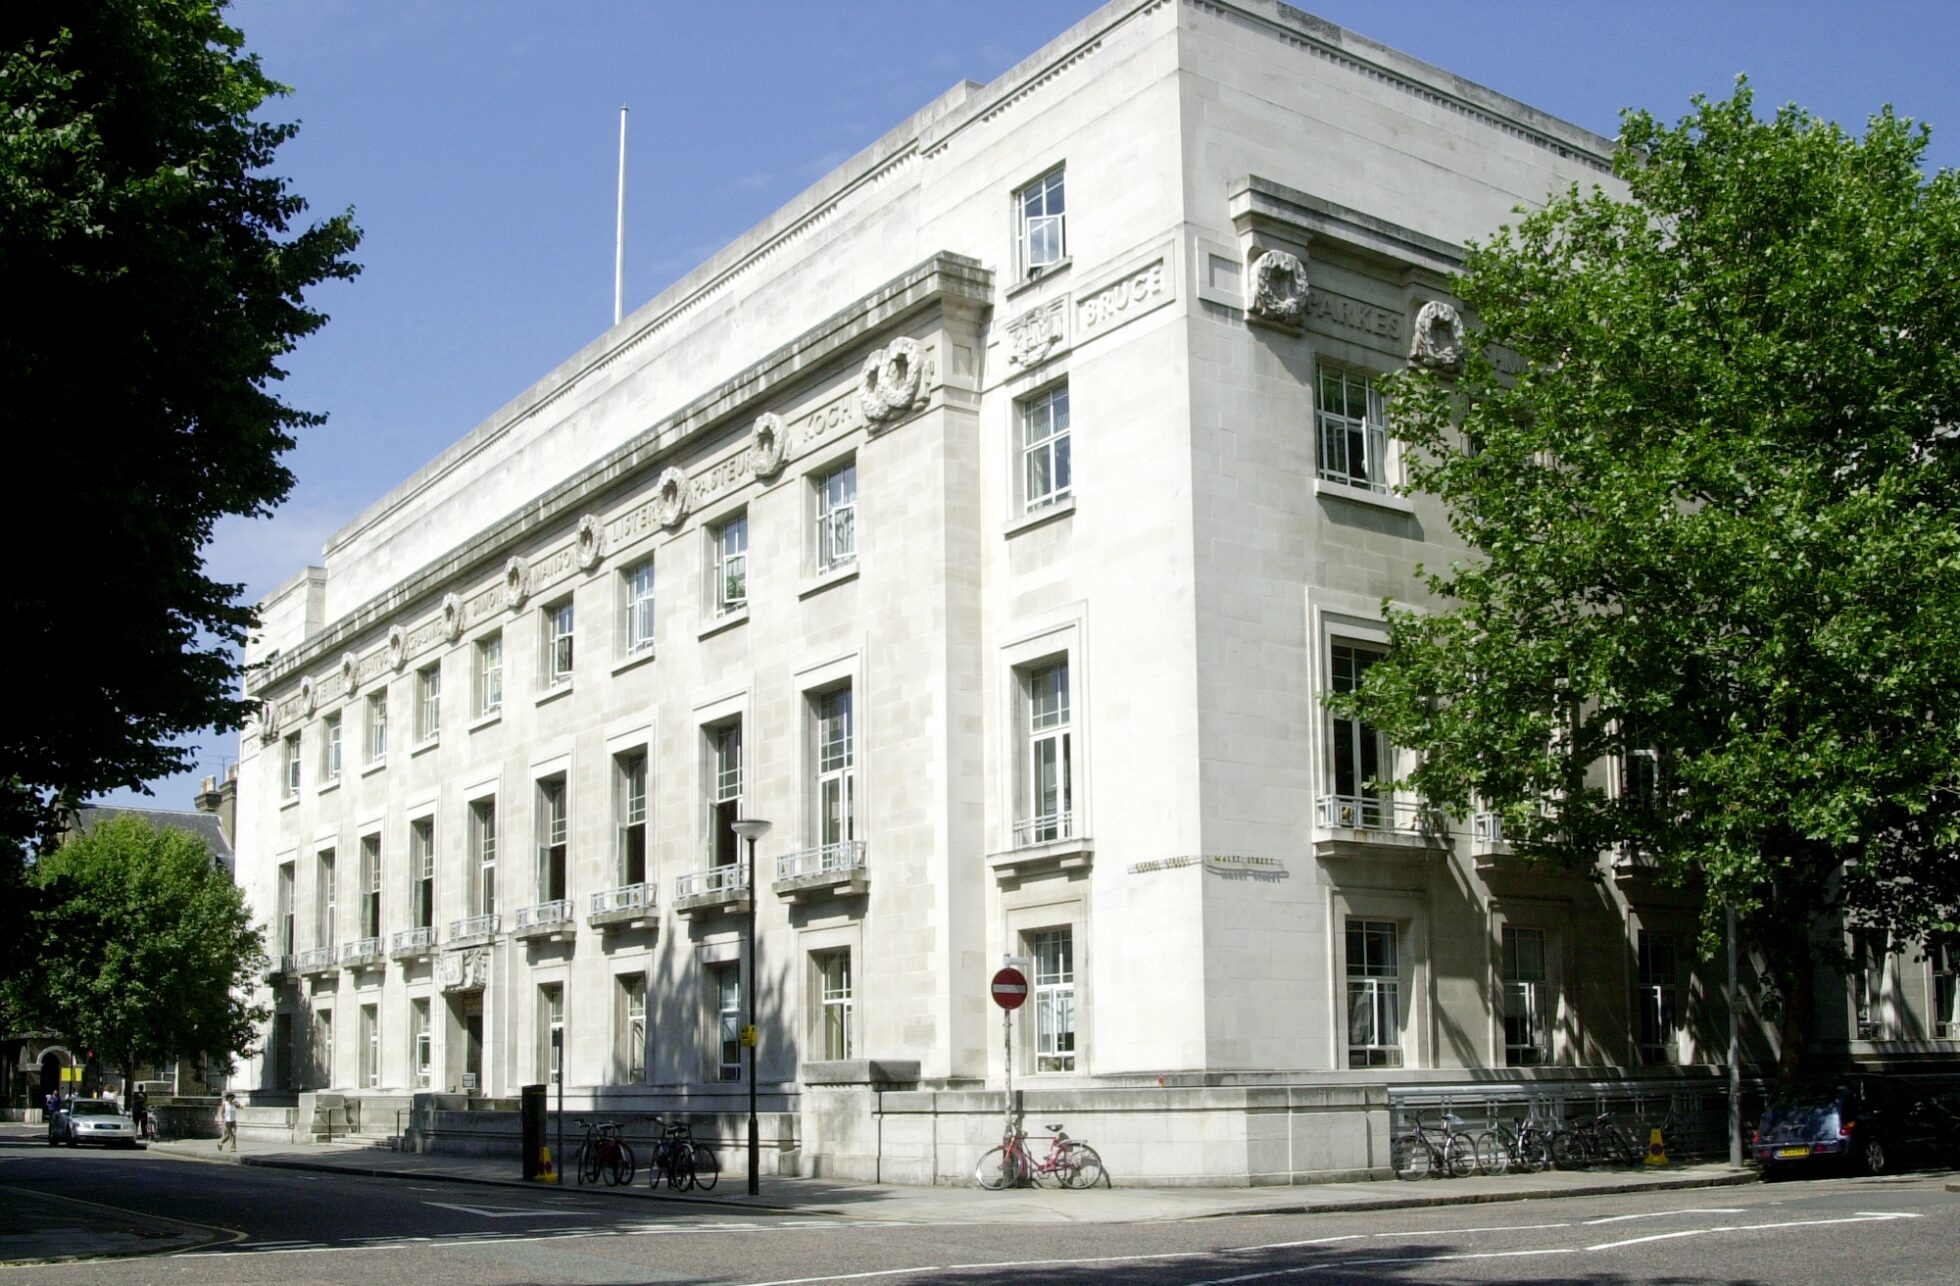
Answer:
(1085, 1168)
(1493, 1152)
(680, 1172)
(1534, 1153)
(1617, 1145)
(1410, 1158)
(1459, 1156)
(707, 1166)
(1568, 1150)
(997, 1169)
(624, 1166)
(589, 1164)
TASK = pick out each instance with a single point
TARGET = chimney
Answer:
(222, 799)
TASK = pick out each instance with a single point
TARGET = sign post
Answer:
(1010, 991)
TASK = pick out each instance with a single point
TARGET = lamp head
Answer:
(750, 828)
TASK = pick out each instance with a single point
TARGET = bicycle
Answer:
(673, 1156)
(1071, 1162)
(605, 1152)
(146, 1129)
(1587, 1142)
(1505, 1145)
(1419, 1156)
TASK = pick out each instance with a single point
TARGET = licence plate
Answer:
(1793, 1152)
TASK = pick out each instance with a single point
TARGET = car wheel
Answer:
(1871, 1156)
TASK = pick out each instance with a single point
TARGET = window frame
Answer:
(630, 1054)
(422, 872)
(487, 674)
(631, 825)
(1032, 254)
(377, 728)
(370, 849)
(1943, 975)
(295, 747)
(728, 568)
(370, 1038)
(637, 609)
(1657, 1026)
(834, 993)
(836, 511)
(1342, 428)
(1049, 409)
(326, 908)
(553, 822)
(833, 785)
(421, 1043)
(1527, 1000)
(726, 744)
(330, 750)
(551, 1018)
(1053, 734)
(428, 702)
(483, 855)
(725, 1018)
(558, 623)
(1351, 743)
(1052, 999)
(1378, 981)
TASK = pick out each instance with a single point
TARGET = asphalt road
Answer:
(266, 1225)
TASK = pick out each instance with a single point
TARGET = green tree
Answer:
(153, 282)
(145, 948)
(1706, 457)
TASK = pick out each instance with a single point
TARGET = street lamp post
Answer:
(751, 829)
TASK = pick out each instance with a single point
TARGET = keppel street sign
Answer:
(1009, 988)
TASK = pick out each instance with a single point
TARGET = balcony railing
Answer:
(1486, 832)
(730, 878)
(314, 960)
(825, 859)
(1379, 813)
(410, 944)
(280, 967)
(470, 930)
(361, 953)
(1049, 828)
(627, 904)
(546, 919)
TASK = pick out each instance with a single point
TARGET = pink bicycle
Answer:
(1070, 1161)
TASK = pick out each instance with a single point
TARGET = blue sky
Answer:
(477, 142)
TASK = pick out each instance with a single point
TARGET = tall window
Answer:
(292, 766)
(724, 792)
(326, 925)
(1050, 738)
(630, 805)
(330, 749)
(551, 839)
(726, 979)
(377, 726)
(1946, 991)
(1868, 984)
(1046, 474)
(1358, 751)
(837, 496)
(551, 1031)
(418, 1041)
(638, 585)
(731, 564)
(282, 1050)
(836, 776)
(370, 1046)
(1054, 1001)
(633, 1026)
(1353, 430)
(833, 969)
(1374, 994)
(287, 944)
(323, 1046)
(370, 886)
(483, 852)
(1655, 1003)
(428, 702)
(422, 869)
(1527, 1033)
(1041, 224)
(488, 671)
(558, 644)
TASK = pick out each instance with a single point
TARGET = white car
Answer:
(92, 1120)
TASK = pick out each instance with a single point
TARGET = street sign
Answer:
(748, 1036)
(1009, 988)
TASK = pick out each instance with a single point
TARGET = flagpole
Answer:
(619, 228)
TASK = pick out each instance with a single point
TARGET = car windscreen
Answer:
(89, 1108)
(1811, 1093)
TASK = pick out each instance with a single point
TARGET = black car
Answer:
(1858, 1120)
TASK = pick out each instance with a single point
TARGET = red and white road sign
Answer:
(1009, 988)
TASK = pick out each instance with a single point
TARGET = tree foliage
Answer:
(154, 281)
(1709, 466)
(143, 948)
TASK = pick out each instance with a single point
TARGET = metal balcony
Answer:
(414, 944)
(314, 961)
(630, 906)
(1050, 828)
(281, 968)
(361, 953)
(546, 922)
(719, 888)
(1379, 813)
(472, 931)
(834, 869)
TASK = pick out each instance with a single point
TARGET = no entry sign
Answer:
(1009, 988)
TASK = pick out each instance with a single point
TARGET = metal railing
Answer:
(825, 859)
(731, 878)
(361, 951)
(1379, 813)
(1486, 831)
(627, 897)
(475, 926)
(418, 939)
(313, 958)
(544, 914)
(1046, 829)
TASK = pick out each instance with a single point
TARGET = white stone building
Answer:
(991, 520)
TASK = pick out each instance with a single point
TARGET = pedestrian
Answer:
(54, 1103)
(228, 1117)
(139, 1108)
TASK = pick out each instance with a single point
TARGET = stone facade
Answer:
(808, 538)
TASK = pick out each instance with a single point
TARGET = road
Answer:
(261, 1225)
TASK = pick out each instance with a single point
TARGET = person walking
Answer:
(228, 1118)
(139, 1109)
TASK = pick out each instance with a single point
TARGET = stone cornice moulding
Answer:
(1262, 206)
(952, 284)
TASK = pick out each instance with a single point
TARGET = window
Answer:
(632, 1056)
(833, 970)
(836, 777)
(377, 727)
(1868, 985)
(731, 564)
(638, 584)
(418, 1042)
(489, 672)
(1049, 771)
(1041, 224)
(323, 1046)
(330, 749)
(282, 1050)
(1374, 994)
(422, 871)
(724, 792)
(551, 1032)
(1946, 991)
(837, 518)
(551, 839)
(370, 1046)
(325, 926)
(1054, 1000)
(630, 807)
(370, 887)
(726, 981)
(1046, 475)
(428, 702)
(292, 766)
(483, 849)
(287, 944)
(1358, 751)
(558, 644)
(1527, 1034)
(1655, 999)
(1353, 430)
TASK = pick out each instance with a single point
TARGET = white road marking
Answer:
(1876, 1217)
(1444, 1232)
(503, 1212)
(1665, 1214)
(852, 1277)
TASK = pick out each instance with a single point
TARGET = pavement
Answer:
(970, 1204)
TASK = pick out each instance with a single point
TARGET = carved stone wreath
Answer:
(397, 647)
(350, 672)
(1438, 342)
(889, 383)
(269, 719)
(766, 445)
(591, 542)
(452, 617)
(517, 582)
(670, 497)
(307, 696)
(1279, 288)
